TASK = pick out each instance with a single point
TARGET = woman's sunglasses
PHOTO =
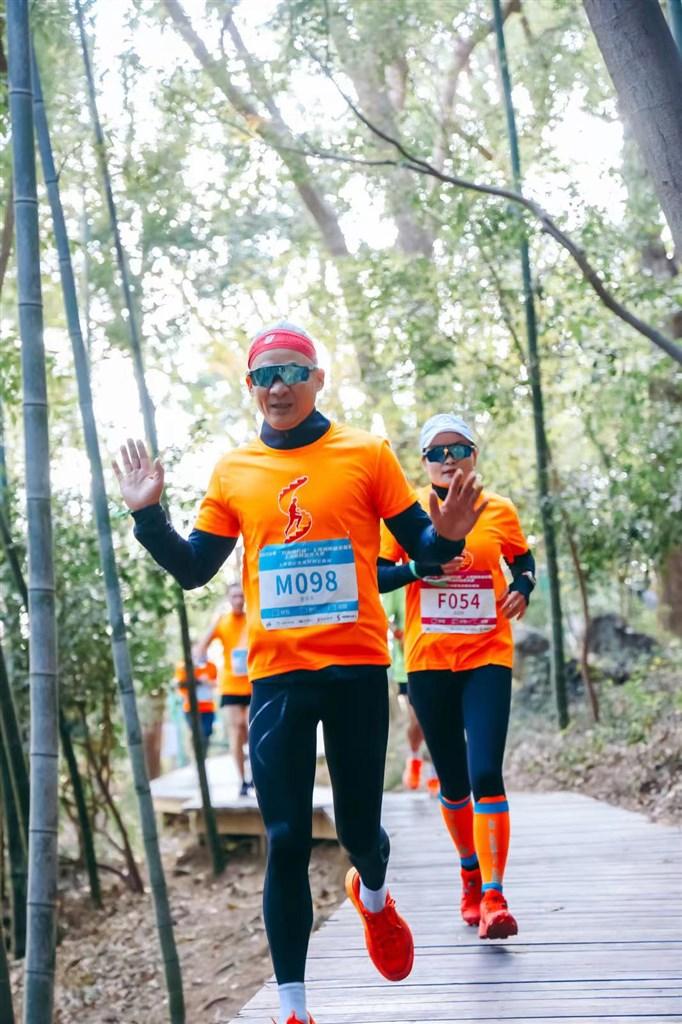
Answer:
(288, 373)
(440, 452)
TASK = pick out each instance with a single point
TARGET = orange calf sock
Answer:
(458, 816)
(491, 838)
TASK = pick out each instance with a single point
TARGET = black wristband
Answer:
(522, 585)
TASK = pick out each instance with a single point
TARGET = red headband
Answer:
(281, 337)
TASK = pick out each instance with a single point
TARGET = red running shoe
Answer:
(496, 921)
(470, 904)
(412, 773)
(387, 934)
(295, 1020)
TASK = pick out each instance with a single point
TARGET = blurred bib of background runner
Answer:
(458, 604)
(310, 583)
(238, 661)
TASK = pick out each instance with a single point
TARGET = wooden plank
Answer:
(588, 882)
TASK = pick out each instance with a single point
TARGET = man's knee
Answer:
(288, 845)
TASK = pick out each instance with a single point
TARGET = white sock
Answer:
(373, 900)
(292, 1000)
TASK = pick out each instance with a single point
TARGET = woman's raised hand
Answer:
(140, 480)
(456, 516)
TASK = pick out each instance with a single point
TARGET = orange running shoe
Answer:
(412, 773)
(496, 921)
(433, 785)
(387, 935)
(470, 904)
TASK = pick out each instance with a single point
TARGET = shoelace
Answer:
(386, 924)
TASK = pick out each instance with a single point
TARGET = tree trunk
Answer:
(121, 653)
(646, 70)
(671, 591)
(542, 455)
(148, 415)
(43, 821)
(152, 733)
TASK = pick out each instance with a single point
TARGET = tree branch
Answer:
(273, 131)
(550, 226)
(460, 61)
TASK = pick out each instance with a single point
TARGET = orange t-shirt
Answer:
(230, 629)
(205, 678)
(309, 518)
(457, 625)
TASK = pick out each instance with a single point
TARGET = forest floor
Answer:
(107, 963)
(632, 757)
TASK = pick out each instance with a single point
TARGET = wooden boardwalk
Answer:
(177, 798)
(598, 895)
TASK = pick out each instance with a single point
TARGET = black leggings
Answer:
(464, 718)
(352, 704)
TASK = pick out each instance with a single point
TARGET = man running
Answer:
(316, 628)
(235, 689)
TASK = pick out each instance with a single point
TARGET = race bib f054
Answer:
(310, 583)
(464, 603)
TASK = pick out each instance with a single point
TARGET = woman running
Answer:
(458, 651)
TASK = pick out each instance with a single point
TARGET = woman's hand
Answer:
(140, 480)
(456, 515)
(513, 605)
(453, 567)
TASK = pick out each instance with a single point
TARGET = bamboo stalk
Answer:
(120, 649)
(6, 1009)
(16, 849)
(149, 418)
(542, 455)
(44, 744)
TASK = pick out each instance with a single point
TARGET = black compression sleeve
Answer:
(391, 576)
(415, 532)
(192, 562)
(522, 584)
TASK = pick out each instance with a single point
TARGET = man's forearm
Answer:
(192, 562)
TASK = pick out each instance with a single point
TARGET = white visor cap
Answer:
(442, 423)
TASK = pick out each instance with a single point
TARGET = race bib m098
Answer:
(310, 583)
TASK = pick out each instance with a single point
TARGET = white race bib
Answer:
(204, 692)
(464, 603)
(310, 583)
(238, 661)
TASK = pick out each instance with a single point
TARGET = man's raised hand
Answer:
(456, 516)
(140, 480)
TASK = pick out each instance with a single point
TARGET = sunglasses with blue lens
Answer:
(440, 452)
(288, 373)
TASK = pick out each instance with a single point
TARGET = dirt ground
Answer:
(108, 961)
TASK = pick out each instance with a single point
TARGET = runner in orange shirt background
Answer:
(205, 676)
(229, 628)
(458, 654)
(307, 497)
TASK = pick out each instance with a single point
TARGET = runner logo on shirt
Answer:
(466, 560)
(299, 520)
